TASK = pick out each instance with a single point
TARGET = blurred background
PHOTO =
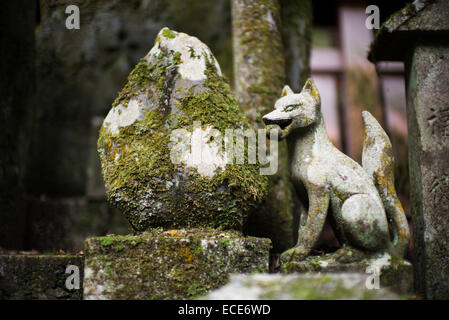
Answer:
(57, 85)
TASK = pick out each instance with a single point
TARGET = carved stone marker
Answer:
(419, 36)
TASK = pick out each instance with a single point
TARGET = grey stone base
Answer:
(43, 277)
(394, 273)
(173, 264)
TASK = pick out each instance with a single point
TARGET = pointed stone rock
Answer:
(176, 100)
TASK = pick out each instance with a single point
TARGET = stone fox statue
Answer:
(365, 211)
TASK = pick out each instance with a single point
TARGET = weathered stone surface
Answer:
(17, 91)
(172, 264)
(297, 16)
(149, 173)
(394, 273)
(38, 277)
(315, 286)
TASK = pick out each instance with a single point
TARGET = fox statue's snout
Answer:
(294, 110)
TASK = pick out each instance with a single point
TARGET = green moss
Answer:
(225, 241)
(168, 33)
(110, 240)
(136, 162)
(192, 53)
(139, 78)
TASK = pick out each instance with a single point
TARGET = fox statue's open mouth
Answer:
(283, 123)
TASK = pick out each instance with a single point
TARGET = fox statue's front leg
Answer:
(309, 234)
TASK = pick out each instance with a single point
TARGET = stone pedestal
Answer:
(39, 277)
(17, 107)
(394, 273)
(173, 264)
(418, 35)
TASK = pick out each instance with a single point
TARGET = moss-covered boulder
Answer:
(175, 94)
(394, 272)
(172, 264)
(39, 277)
(314, 286)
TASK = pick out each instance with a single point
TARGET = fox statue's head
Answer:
(295, 110)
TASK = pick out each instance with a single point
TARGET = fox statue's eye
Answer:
(291, 107)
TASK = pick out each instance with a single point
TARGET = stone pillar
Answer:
(418, 36)
(259, 77)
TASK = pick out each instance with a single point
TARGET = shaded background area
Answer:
(59, 84)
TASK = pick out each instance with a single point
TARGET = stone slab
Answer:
(38, 277)
(427, 89)
(171, 264)
(316, 286)
(394, 273)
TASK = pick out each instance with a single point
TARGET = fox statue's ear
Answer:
(310, 85)
(286, 91)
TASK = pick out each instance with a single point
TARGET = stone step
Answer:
(173, 264)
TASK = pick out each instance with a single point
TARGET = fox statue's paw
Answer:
(294, 254)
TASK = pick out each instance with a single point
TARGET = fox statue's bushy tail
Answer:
(377, 161)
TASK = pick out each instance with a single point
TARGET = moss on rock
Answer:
(177, 83)
(170, 264)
